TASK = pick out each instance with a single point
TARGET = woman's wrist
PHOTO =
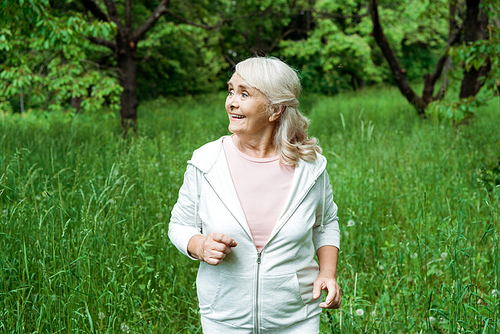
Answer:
(195, 246)
(330, 273)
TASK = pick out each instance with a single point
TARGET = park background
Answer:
(103, 102)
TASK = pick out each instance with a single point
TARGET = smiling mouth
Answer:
(237, 116)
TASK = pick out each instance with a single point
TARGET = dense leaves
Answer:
(47, 59)
(55, 55)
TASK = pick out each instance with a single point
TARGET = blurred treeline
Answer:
(192, 47)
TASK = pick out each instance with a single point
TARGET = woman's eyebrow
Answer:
(242, 87)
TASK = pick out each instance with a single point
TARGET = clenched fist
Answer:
(211, 249)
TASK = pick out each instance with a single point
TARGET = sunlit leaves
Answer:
(46, 53)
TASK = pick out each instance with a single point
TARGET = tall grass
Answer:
(84, 217)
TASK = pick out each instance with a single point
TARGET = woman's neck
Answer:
(255, 147)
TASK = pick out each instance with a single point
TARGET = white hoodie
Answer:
(252, 292)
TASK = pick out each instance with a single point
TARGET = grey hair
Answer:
(281, 86)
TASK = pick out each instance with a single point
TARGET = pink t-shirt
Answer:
(262, 185)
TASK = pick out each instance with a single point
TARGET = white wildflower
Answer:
(432, 319)
(100, 315)
(118, 182)
(160, 174)
(360, 312)
(157, 164)
(124, 327)
(381, 267)
(346, 233)
(495, 293)
(4, 212)
(335, 165)
(373, 313)
(351, 223)
(116, 172)
(371, 180)
(444, 255)
(414, 255)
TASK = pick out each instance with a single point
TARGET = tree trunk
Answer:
(357, 82)
(398, 73)
(75, 103)
(476, 22)
(127, 65)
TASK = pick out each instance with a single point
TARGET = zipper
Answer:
(257, 329)
(259, 254)
(259, 257)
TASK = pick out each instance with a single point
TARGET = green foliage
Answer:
(178, 59)
(341, 45)
(45, 53)
(84, 215)
(474, 55)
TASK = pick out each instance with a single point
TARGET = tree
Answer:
(419, 102)
(477, 66)
(124, 49)
(45, 60)
(337, 49)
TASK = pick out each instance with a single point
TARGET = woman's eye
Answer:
(244, 94)
(230, 92)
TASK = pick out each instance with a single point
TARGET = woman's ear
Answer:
(278, 111)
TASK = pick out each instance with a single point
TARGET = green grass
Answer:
(84, 217)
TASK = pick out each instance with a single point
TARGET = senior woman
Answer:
(255, 208)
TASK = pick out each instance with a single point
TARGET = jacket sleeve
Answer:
(326, 229)
(182, 225)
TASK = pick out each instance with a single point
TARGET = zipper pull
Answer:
(258, 257)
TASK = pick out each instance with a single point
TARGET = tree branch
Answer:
(219, 24)
(128, 14)
(103, 42)
(282, 37)
(224, 53)
(151, 20)
(113, 14)
(92, 7)
(194, 24)
(430, 79)
(392, 59)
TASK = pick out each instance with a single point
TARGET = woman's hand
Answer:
(327, 278)
(330, 285)
(211, 249)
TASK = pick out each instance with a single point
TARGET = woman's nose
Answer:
(233, 101)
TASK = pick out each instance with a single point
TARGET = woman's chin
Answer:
(234, 129)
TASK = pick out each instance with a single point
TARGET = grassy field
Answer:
(84, 217)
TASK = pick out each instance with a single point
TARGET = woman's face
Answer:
(246, 109)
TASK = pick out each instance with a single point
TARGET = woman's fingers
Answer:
(330, 285)
(222, 238)
(215, 248)
(334, 296)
